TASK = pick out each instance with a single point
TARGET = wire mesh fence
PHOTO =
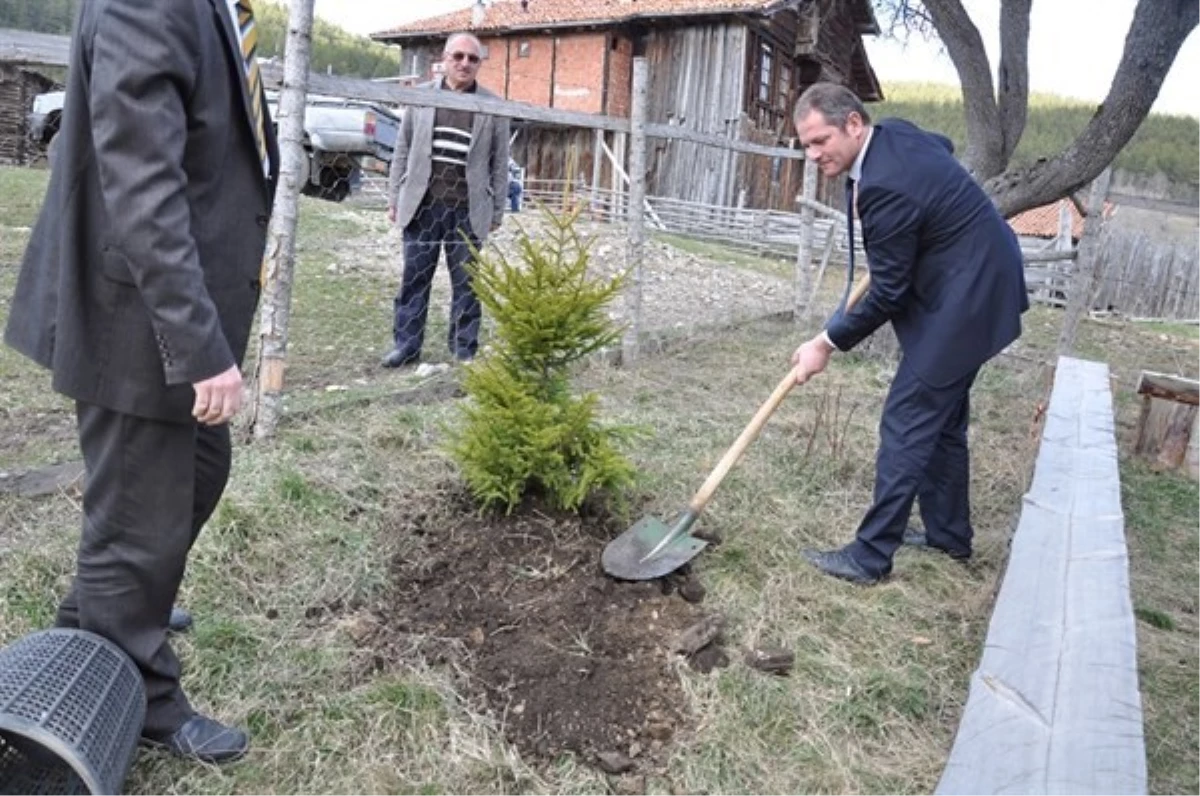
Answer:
(742, 238)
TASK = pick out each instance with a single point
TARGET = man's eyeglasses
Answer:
(472, 58)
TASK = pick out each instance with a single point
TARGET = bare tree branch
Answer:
(904, 19)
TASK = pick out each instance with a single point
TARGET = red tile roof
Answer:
(1042, 222)
(506, 15)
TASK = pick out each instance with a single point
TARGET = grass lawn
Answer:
(289, 580)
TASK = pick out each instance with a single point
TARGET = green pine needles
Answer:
(522, 431)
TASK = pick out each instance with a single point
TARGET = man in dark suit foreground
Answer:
(946, 270)
(138, 290)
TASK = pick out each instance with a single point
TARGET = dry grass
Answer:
(298, 550)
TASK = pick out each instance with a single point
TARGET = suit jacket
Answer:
(946, 268)
(141, 276)
(487, 165)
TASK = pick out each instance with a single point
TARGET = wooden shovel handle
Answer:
(751, 431)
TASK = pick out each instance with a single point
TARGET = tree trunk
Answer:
(1012, 90)
(984, 156)
(279, 259)
(1168, 421)
(1082, 281)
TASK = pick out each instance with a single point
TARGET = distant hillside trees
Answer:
(333, 49)
(1163, 145)
(42, 16)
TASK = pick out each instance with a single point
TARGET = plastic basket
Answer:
(72, 706)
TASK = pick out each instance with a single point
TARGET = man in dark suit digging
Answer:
(946, 271)
(138, 290)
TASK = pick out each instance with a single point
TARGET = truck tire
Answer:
(305, 171)
(334, 183)
(52, 150)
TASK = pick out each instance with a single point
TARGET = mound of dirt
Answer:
(567, 658)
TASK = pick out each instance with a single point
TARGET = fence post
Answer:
(280, 257)
(804, 251)
(1082, 278)
(597, 166)
(637, 212)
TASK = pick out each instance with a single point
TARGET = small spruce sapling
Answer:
(522, 431)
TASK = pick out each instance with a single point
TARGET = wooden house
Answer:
(1039, 227)
(728, 67)
(18, 86)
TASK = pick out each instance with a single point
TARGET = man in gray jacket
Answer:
(448, 179)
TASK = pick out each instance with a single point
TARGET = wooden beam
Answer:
(1053, 705)
(388, 93)
(1052, 256)
(1171, 388)
(22, 47)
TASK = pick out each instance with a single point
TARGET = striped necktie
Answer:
(249, 37)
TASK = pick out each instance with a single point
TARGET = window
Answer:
(772, 81)
(765, 57)
(783, 91)
(523, 48)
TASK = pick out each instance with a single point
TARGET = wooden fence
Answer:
(1139, 276)
(767, 232)
(1135, 276)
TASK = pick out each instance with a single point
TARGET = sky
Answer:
(1072, 52)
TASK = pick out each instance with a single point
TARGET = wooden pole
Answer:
(637, 211)
(832, 234)
(804, 251)
(1083, 277)
(597, 167)
(279, 259)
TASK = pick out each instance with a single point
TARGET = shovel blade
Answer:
(626, 556)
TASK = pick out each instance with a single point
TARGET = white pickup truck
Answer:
(342, 137)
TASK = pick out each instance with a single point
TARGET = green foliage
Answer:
(523, 431)
(1155, 618)
(42, 16)
(334, 50)
(1163, 144)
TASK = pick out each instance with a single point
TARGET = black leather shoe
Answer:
(180, 621)
(204, 739)
(398, 359)
(918, 539)
(840, 564)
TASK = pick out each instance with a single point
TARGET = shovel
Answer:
(652, 548)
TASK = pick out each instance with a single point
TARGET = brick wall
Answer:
(620, 76)
(530, 61)
(579, 72)
(565, 72)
